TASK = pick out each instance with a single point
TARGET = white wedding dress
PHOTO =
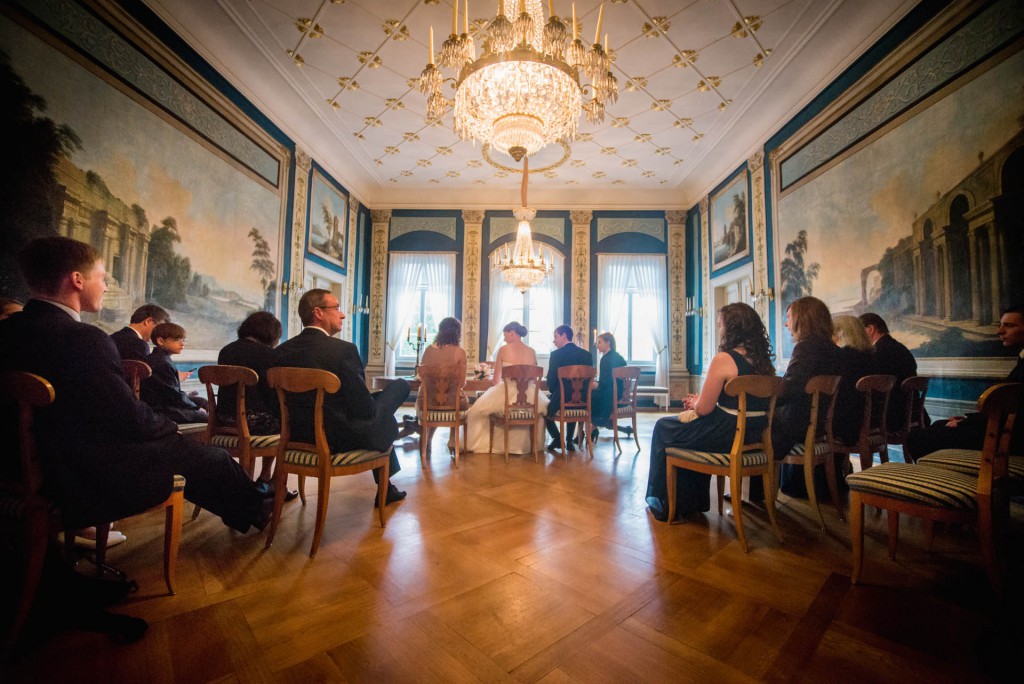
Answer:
(478, 425)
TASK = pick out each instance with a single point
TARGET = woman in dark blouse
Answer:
(602, 397)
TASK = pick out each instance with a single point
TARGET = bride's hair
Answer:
(516, 327)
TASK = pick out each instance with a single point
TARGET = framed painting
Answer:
(728, 232)
(915, 212)
(328, 221)
(183, 198)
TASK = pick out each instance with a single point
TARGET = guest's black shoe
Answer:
(394, 494)
(626, 430)
(266, 513)
(570, 445)
(291, 495)
(554, 445)
(594, 434)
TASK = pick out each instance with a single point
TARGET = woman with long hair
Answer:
(514, 352)
(446, 349)
(709, 422)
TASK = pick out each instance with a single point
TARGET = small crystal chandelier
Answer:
(521, 266)
(524, 91)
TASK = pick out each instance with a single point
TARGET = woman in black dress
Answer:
(709, 424)
(602, 398)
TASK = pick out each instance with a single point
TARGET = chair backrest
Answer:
(626, 378)
(915, 390)
(762, 387)
(222, 376)
(821, 386)
(440, 385)
(876, 390)
(286, 380)
(1000, 404)
(134, 373)
(517, 385)
(576, 385)
(25, 393)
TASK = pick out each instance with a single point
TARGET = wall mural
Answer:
(179, 222)
(728, 232)
(923, 223)
(328, 212)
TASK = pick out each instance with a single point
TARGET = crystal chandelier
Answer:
(524, 91)
(521, 266)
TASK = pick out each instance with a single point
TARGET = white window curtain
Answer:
(407, 273)
(646, 272)
(547, 302)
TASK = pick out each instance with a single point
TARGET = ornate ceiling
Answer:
(703, 83)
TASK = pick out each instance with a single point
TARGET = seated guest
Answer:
(709, 421)
(257, 336)
(856, 359)
(602, 398)
(891, 358)
(105, 454)
(9, 307)
(162, 390)
(353, 417)
(132, 341)
(566, 354)
(810, 323)
(443, 352)
(968, 432)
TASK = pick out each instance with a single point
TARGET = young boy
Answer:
(162, 391)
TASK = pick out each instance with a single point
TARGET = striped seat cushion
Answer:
(442, 416)
(874, 441)
(179, 483)
(625, 411)
(255, 441)
(820, 448)
(192, 429)
(750, 458)
(571, 413)
(968, 461)
(517, 414)
(919, 484)
(311, 458)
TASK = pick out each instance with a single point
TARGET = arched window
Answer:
(421, 291)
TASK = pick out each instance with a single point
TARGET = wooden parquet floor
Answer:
(544, 572)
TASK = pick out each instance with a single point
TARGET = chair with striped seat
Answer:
(938, 494)
(624, 402)
(818, 442)
(576, 385)
(316, 459)
(914, 390)
(744, 460)
(520, 404)
(873, 437)
(441, 387)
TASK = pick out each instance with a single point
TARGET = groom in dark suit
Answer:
(106, 455)
(353, 417)
(566, 354)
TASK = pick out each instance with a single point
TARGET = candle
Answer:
(408, 334)
(431, 56)
(600, 18)
(551, 8)
(606, 43)
(595, 335)
(575, 28)
(455, 17)
(465, 18)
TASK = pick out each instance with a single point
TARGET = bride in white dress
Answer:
(514, 352)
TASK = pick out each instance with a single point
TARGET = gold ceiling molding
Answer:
(410, 136)
(391, 149)
(708, 83)
(348, 83)
(609, 150)
(307, 27)
(620, 122)
(540, 169)
(599, 174)
(395, 29)
(577, 163)
(661, 105)
(630, 163)
(372, 121)
(474, 163)
(751, 23)
(684, 59)
(656, 28)
(663, 151)
(394, 103)
(759, 58)
(636, 83)
(371, 60)
(643, 138)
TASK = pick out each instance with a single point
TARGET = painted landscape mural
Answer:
(178, 224)
(922, 225)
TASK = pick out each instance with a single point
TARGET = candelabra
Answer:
(365, 308)
(419, 342)
(692, 309)
(762, 295)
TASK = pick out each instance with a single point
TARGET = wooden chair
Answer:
(816, 449)
(315, 459)
(520, 404)
(441, 387)
(135, 372)
(936, 494)
(915, 390)
(576, 385)
(624, 403)
(873, 437)
(743, 460)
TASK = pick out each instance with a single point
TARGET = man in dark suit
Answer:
(353, 417)
(132, 341)
(566, 354)
(106, 455)
(890, 358)
(968, 432)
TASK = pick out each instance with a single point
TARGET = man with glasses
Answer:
(353, 417)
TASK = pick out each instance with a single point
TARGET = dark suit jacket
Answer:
(351, 420)
(260, 358)
(893, 358)
(129, 345)
(105, 455)
(601, 400)
(568, 355)
(162, 390)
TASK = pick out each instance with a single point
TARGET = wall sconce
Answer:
(293, 287)
(762, 296)
(692, 309)
(365, 308)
